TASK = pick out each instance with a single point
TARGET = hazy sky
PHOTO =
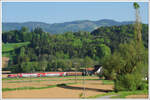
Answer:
(52, 12)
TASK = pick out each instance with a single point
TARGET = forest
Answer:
(43, 51)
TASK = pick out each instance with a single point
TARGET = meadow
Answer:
(7, 48)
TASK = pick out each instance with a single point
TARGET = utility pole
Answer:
(75, 72)
(84, 81)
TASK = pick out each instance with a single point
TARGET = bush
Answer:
(109, 75)
(128, 82)
(143, 86)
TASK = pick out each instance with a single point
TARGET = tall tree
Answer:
(138, 27)
(128, 62)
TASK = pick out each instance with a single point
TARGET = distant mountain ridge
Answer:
(82, 25)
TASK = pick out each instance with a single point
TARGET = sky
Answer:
(58, 12)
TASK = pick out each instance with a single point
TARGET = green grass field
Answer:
(121, 94)
(108, 82)
(7, 48)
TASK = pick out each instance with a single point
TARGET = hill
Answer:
(74, 26)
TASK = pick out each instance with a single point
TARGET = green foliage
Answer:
(110, 64)
(127, 66)
(81, 95)
(129, 62)
(103, 51)
(59, 52)
(29, 66)
(143, 86)
(136, 5)
(88, 62)
(114, 35)
(22, 35)
(128, 82)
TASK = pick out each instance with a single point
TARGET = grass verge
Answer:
(107, 82)
(22, 81)
(45, 77)
(100, 95)
(31, 88)
(127, 93)
(122, 94)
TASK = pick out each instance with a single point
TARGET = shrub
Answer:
(128, 82)
(143, 86)
(109, 75)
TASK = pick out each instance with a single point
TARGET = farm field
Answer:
(57, 87)
(71, 89)
(42, 81)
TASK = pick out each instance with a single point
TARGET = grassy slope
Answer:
(8, 47)
(12, 46)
